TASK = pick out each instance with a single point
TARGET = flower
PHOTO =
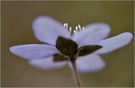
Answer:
(84, 46)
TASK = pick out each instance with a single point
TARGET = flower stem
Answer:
(76, 75)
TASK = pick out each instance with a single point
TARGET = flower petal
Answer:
(91, 34)
(114, 43)
(47, 63)
(47, 29)
(89, 63)
(33, 51)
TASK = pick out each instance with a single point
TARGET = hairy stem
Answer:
(76, 75)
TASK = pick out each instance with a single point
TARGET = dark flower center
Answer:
(69, 49)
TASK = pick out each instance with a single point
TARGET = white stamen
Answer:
(76, 28)
(79, 26)
(74, 31)
(66, 25)
(70, 29)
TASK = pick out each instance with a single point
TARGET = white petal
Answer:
(33, 51)
(91, 34)
(47, 63)
(114, 43)
(89, 63)
(47, 29)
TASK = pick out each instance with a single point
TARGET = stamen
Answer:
(74, 31)
(78, 28)
(66, 25)
(70, 29)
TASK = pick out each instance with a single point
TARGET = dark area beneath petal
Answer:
(59, 57)
(84, 50)
(66, 46)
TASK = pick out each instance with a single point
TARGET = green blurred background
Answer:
(16, 30)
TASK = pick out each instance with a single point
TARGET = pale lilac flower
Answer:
(48, 30)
